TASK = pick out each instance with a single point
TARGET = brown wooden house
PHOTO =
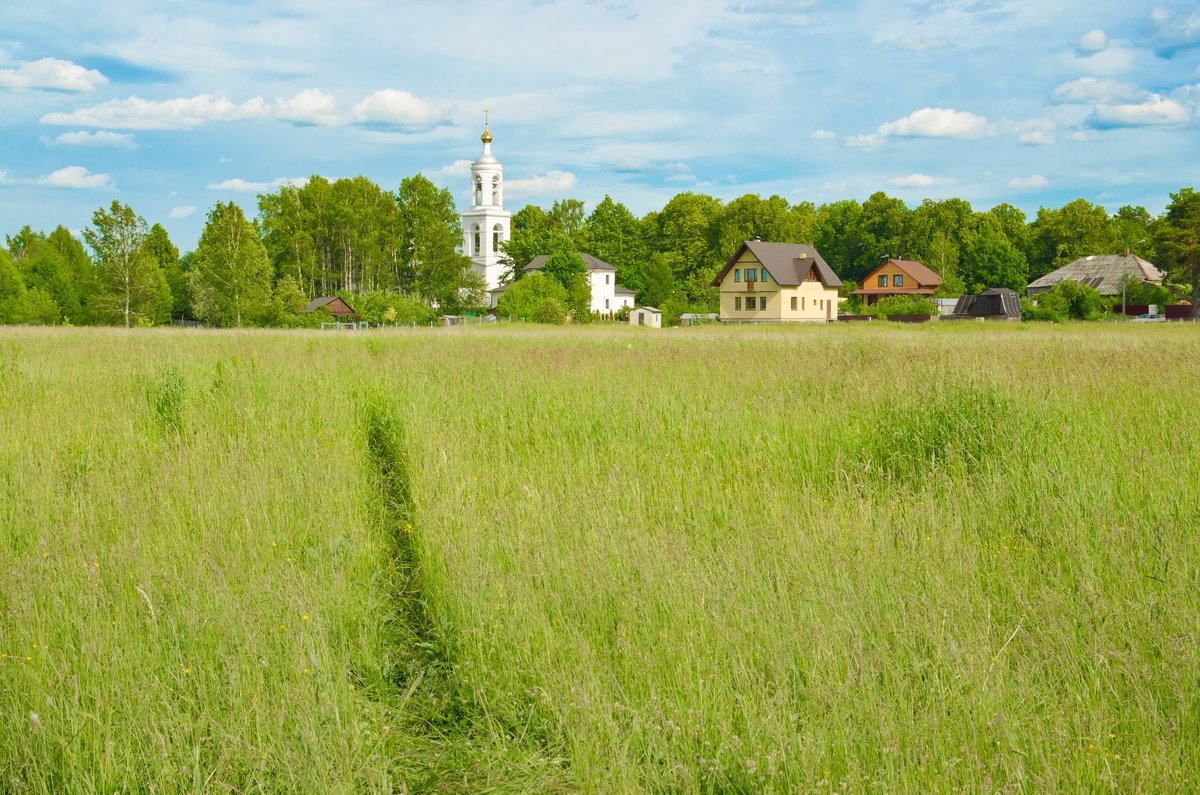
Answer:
(898, 277)
(340, 310)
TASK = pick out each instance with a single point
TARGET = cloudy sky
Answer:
(170, 107)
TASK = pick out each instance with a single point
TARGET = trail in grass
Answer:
(463, 750)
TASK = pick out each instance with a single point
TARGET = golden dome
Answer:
(486, 137)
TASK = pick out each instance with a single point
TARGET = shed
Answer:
(336, 306)
(995, 303)
(645, 316)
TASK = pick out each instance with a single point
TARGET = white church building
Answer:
(486, 224)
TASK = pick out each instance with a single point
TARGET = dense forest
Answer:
(398, 255)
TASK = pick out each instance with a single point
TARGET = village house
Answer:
(607, 295)
(1105, 273)
(341, 311)
(777, 283)
(897, 277)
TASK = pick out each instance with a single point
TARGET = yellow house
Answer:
(777, 283)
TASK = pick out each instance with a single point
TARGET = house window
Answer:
(762, 302)
(751, 304)
(751, 274)
(803, 301)
(883, 280)
(737, 303)
(765, 278)
(737, 274)
(606, 279)
(898, 280)
(793, 303)
(606, 303)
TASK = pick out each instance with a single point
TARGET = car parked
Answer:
(1149, 318)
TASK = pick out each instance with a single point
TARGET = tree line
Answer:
(397, 255)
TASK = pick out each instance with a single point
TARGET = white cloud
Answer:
(310, 106)
(822, 135)
(401, 109)
(1032, 181)
(1156, 110)
(937, 123)
(553, 183)
(239, 185)
(102, 138)
(1087, 90)
(919, 181)
(136, 113)
(457, 169)
(4, 178)
(1093, 41)
(863, 141)
(52, 73)
(1038, 132)
(186, 211)
(76, 177)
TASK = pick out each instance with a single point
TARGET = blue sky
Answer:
(172, 107)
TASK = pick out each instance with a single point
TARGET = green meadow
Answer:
(514, 559)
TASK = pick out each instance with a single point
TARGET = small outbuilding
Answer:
(645, 316)
(340, 310)
(995, 303)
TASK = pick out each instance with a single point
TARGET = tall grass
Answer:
(706, 560)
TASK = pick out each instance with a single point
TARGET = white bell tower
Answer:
(486, 224)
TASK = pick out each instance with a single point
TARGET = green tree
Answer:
(130, 286)
(12, 290)
(1133, 229)
(838, 235)
(883, 229)
(1067, 299)
(533, 233)
(681, 232)
(1060, 236)
(612, 233)
(159, 244)
(567, 216)
(537, 298)
(430, 241)
(1178, 242)
(231, 279)
(992, 261)
(659, 284)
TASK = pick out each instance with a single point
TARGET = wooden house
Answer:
(898, 277)
(340, 310)
(777, 283)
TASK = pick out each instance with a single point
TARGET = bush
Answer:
(537, 297)
(903, 305)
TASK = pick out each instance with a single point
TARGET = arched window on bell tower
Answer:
(496, 190)
(478, 190)
(475, 236)
(497, 231)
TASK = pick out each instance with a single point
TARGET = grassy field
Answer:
(947, 558)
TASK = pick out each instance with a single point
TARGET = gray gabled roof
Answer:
(788, 263)
(326, 300)
(1102, 272)
(589, 262)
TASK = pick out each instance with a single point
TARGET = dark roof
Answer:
(317, 303)
(993, 302)
(788, 263)
(1103, 272)
(619, 290)
(589, 262)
